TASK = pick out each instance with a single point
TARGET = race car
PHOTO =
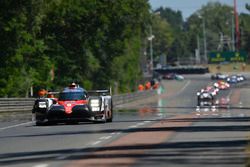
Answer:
(222, 85)
(213, 90)
(219, 76)
(169, 76)
(240, 77)
(233, 79)
(205, 98)
(74, 104)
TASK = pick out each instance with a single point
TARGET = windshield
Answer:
(72, 96)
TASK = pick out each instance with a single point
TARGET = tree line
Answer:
(98, 43)
(48, 44)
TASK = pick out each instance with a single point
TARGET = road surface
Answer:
(159, 131)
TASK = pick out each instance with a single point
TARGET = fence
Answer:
(26, 104)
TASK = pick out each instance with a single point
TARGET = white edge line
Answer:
(41, 165)
(105, 137)
(188, 82)
(102, 138)
(108, 137)
(95, 143)
(13, 126)
(62, 157)
(133, 126)
(147, 121)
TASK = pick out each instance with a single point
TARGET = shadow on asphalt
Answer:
(169, 152)
(213, 128)
(172, 152)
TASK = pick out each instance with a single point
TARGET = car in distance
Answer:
(74, 104)
(205, 98)
(219, 76)
(222, 85)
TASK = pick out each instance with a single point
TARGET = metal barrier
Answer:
(129, 97)
(16, 104)
(26, 104)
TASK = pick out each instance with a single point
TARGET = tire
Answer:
(40, 123)
(104, 120)
(111, 117)
(111, 112)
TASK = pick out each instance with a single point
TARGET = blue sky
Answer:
(190, 6)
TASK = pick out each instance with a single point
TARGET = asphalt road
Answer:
(164, 131)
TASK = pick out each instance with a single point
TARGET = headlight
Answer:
(95, 104)
(198, 93)
(42, 105)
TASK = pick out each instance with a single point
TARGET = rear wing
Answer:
(105, 92)
(53, 93)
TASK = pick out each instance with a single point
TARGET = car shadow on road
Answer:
(220, 151)
(182, 153)
(177, 129)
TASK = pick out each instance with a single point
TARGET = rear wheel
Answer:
(110, 113)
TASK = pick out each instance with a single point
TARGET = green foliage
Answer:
(163, 36)
(97, 43)
(48, 44)
(217, 18)
(174, 18)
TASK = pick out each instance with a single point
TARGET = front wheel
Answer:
(40, 120)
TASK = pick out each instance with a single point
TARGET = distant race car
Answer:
(205, 98)
(172, 76)
(240, 77)
(213, 90)
(233, 79)
(74, 104)
(222, 85)
(219, 76)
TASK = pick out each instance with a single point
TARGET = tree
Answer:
(217, 19)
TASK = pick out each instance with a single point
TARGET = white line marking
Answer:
(141, 123)
(41, 165)
(105, 137)
(133, 126)
(102, 138)
(186, 85)
(159, 114)
(95, 143)
(13, 126)
(108, 137)
(147, 121)
(62, 157)
(113, 133)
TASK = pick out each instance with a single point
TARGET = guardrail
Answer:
(26, 104)
(129, 97)
(16, 104)
(183, 70)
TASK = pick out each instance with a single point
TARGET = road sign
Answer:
(219, 57)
